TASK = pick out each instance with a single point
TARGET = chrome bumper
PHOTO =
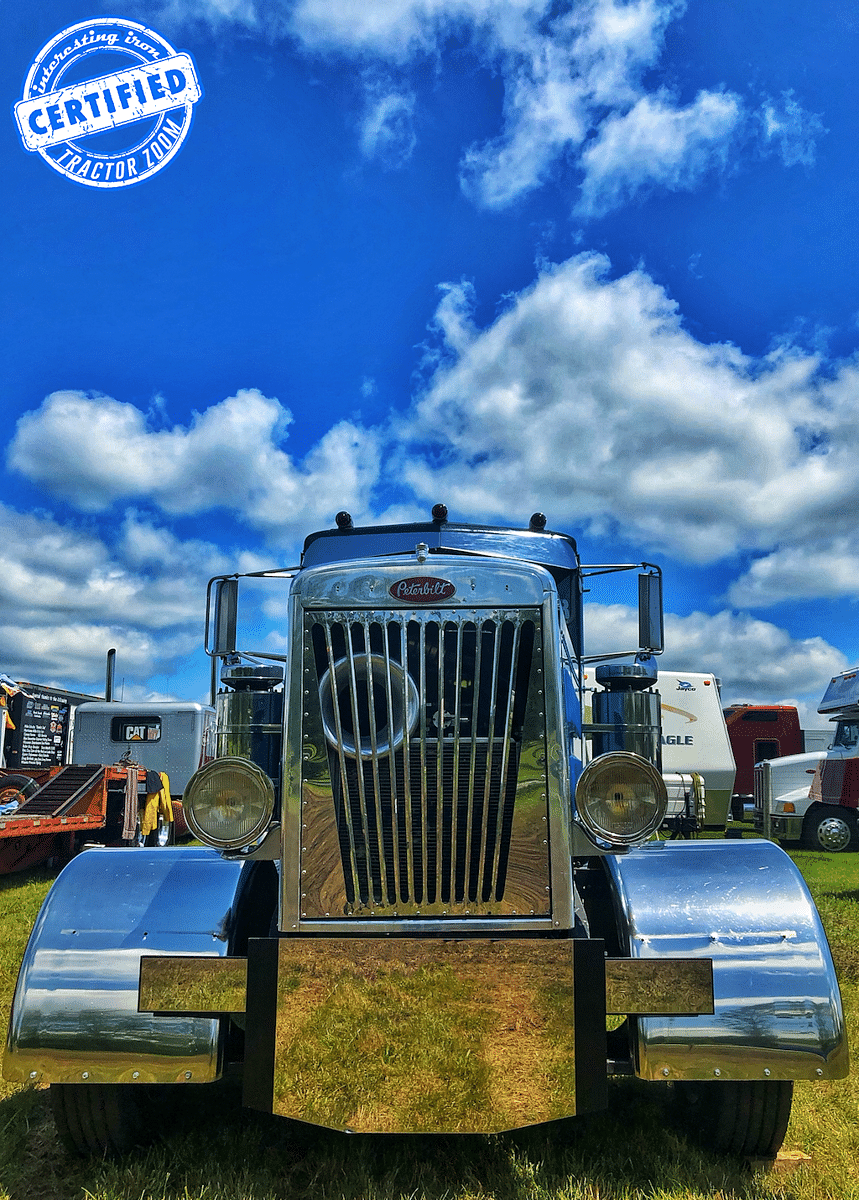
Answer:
(405, 1035)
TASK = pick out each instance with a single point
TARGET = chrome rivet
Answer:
(34, 1074)
(85, 1075)
(819, 1070)
(135, 1074)
(717, 1071)
(665, 1071)
(766, 1070)
(187, 1074)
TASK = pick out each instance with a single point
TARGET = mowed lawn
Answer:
(215, 1151)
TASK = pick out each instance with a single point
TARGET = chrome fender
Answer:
(743, 904)
(74, 1015)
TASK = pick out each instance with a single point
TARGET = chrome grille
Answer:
(423, 719)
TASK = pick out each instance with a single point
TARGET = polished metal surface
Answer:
(449, 812)
(179, 984)
(74, 1015)
(660, 985)
(399, 1035)
(219, 985)
(745, 905)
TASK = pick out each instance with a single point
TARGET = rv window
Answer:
(760, 714)
(132, 728)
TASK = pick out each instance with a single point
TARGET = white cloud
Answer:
(94, 451)
(576, 88)
(826, 568)
(790, 130)
(68, 597)
(590, 391)
(757, 662)
(387, 124)
(656, 143)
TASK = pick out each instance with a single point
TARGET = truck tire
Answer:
(831, 828)
(164, 834)
(740, 1116)
(102, 1118)
(13, 787)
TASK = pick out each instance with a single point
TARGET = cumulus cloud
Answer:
(757, 662)
(590, 390)
(656, 143)
(229, 457)
(68, 597)
(577, 80)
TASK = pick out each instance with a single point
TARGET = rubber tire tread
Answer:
(820, 812)
(99, 1118)
(151, 839)
(747, 1117)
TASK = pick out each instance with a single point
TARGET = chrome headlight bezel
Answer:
(250, 789)
(635, 776)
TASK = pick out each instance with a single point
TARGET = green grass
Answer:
(215, 1151)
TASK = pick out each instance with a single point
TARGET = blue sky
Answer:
(597, 259)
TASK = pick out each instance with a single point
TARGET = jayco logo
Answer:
(108, 102)
(422, 589)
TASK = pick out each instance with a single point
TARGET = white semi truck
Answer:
(813, 797)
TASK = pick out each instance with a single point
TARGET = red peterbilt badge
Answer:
(422, 589)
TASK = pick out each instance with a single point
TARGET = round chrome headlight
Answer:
(621, 798)
(228, 803)
(368, 705)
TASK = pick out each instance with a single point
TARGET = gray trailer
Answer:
(176, 737)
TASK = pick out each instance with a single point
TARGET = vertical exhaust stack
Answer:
(109, 673)
(630, 704)
(250, 716)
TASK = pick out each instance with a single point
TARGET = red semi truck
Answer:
(762, 732)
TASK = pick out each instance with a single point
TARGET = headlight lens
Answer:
(621, 798)
(228, 803)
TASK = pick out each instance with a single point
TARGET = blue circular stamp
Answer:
(108, 102)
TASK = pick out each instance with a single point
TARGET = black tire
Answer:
(746, 1116)
(830, 828)
(164, 834)
(102, 1118)
(17, 785)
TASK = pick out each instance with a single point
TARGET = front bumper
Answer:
(786, 828)
(412, 1035)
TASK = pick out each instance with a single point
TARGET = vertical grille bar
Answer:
(407, 782)
(505, 755)
(381, 865)
(395, 805)
(472, 773)
(359, 773)
(424, 895)
(344, 790)
(457, 717)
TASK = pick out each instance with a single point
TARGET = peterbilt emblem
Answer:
(422, 589)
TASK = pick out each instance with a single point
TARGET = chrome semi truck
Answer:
(415, 908)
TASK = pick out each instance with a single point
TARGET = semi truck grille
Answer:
(425, 723)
